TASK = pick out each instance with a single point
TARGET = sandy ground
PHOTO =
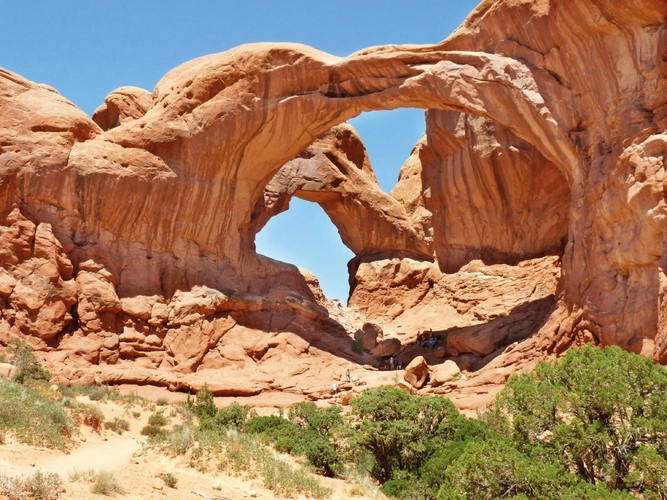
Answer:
(138, 471)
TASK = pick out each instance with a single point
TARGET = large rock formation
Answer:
(130, 239)
(335, 172)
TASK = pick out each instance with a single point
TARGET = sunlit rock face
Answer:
(545, 136)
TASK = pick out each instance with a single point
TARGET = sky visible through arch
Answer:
(85, 49)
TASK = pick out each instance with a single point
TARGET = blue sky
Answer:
(87, 48)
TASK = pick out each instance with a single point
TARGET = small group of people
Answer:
(427, 339)
(392, 363)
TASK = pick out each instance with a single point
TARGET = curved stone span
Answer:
(335, 172)
(235, 126)
(221, 126)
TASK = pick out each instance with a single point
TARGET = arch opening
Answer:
(389, 138)
(304, 236)
(335, 172)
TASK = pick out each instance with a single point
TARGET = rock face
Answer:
(7, 370)
(444, 372)
(128, 238)
(335, 172)
(416, 372)
(492, 196)
(122, 105)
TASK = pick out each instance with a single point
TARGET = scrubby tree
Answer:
(203, 405)
(401, 431)
(601, 413)
(494, 468)
(22, 356)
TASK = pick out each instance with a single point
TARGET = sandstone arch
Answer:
(190, 171)
(210, 136)
(335, 172)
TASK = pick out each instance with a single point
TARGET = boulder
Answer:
(194, 305)
(403, 385)
(369, 335)
(387, 347)
(443, 373)
(7, 370)
(416, 372)
(139, 306)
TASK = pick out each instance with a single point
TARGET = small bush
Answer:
(260, 425)
(356, 491)
(22, 356)
(181, 439)
(158, 420)
(152, 431)
(103, 482)
(203, 403)
(41, 486)
(106, 483)
(234, 416)
(162, 402)
(118, 425)
(98, 393)
(170, 480)
(33, 419)
(88, 415)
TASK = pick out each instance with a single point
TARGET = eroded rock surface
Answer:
(128, 241)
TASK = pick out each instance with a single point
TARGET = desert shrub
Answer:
(170, 479)
(103, 482)
(33, 419)
(180, 439)
(593, 412)
(87, 414)
(21, 355)
(310, 431)
(263, 424)
(40, 486)
(405, 489)
(233, 416)
(162, 402)
(117, 425)
(152, 431)
(356, 491)
(158, 420)
(97, 393)
(106, 483)
(202, 404)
